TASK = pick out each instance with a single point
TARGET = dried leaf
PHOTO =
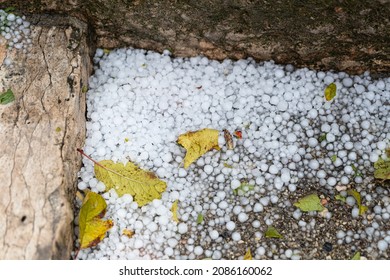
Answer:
(248, 255)
(7, 97)
(357, 197)
(310, 202)
(58, 129)
(227, 165)
(356, 256)
(382, 169)
(197, 143)
(238, 134)
(143, 185)
(92, 227)
(272, 233)
(228, 139)
(174, 211)
(330, 92)
(128, 233)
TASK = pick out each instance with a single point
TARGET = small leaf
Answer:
(174, 211)
(322, 138)
(7, 97)
(9, 9)
(357, 197)
(92, 227)
(333, 158)
(382, 169)
(243, 188)
(356, 256)
(106, 51)
(197, 143)
(238, 134)
(199, 220)
(84, 89)
(272, 233)
(356, 170)
(227, 165)
(58, 129)
(310, 202)
(128, 233)
(330, 92)
(340, 198)
(248, 255)
(126, 140)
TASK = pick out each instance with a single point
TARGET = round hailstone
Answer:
(381, 145)
(374, 157)
(214, 234)
(347, 82)
(235, 184)
(282, 105)
(288, 253)
(182, 228)
(312, 114)
(258, 207)
(314, 164)
(330, 137)
(208, 169)
(230, 225)
(182, 172)
(355, 212)
(382, 245)
(279, 73)
(236, 236)
(291, 137)
(331, 181)
(242, 217)
(312, 142)
(198, 250)
(168, 251)
(138, 243)
(273, 169)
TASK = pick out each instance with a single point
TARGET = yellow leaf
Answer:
(143, 185)
(174, 211)
(382, 169)
(197, 143)
(248, 255)
(330, 92)
(128, 232)
(92, 227)
(357, 197)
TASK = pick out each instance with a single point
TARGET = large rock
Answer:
(352, 36)
(40, 132)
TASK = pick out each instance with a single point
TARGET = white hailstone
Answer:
(237, 209)
(220, 178)
(365, 124)
(168, 251)
(330, 137)
(182, 228)
(223, 205)
(235, 184)
(273, 169)
(274, 199)
(258, 207)
(260, 251)
(274, 100)
(344, 180)
(312, 142)
(347, 82)
(350, 201)
(282, 105)
(236, 236)
(314, 164)
(242, 217)
(382, 245)
(328, 79)
(208, 169)
(331, 181)
(325, 128)
(198, 250)
(374, 157)
(264, 200)
(167, 157)
(381, 145)
(279, 73)
(182, 172)
(236, 158)
(291, 137)
(121, 213)
(288, 253)
(278, 119)
(352, 156)
(214, 234)
(348, 169)
(312, 114)
(355, 212)
(230, 225)
(163, 220)
(138, 243)
(260, 180)
(285, 177)
(264, 167)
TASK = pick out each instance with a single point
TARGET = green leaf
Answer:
(272, 233)
(322, 138)
(7, 97)
(92, 227)
(356, 170)
(9, 9)
(357, 197)
(199, 220)
(143, 185)
(227, 165)
(243, 188)
(333, 158)
(382, 169)
(330, 92)
(84, 89)
(310, 202)
(356, 256)
(340, 197)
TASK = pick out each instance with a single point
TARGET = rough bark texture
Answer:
(40, 131)
(351, 35)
